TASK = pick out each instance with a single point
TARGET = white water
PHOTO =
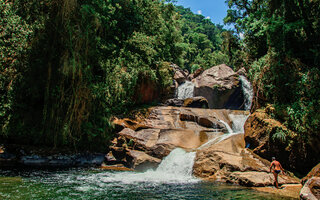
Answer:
(227, 126)
(238, 122)
(175, 168)
(185, 90)
(247, 92)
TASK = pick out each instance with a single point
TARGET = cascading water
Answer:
(238, 122)
(247, 92)
(227, 126)
(175, 168)
(185, 90)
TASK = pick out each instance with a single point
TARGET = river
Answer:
(98, 184)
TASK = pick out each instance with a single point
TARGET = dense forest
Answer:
(280, 51)
(68, 66)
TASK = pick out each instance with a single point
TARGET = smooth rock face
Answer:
(220, 85)
(230, 162)
(165, 129)
(142, 161)
(311, 187)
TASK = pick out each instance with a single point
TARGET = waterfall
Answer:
(185, 90)
(238, 122)
(227, 126)
(247, 92)
(177, 163)
(175, 168)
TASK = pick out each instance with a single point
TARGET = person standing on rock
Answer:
(277, 169)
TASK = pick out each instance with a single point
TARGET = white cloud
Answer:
(199, 12)
(208, 17)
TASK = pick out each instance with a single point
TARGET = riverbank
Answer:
(286, 190)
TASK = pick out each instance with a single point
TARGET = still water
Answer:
(98, 184)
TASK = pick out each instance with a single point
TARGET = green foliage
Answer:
(201, 41)
(86, 60)
(281, 45)
(14, 38)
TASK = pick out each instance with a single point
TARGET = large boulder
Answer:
(264, 136)
(196, 102)
(180, 76)
(220, 85)
(311, 189)
(164, 129)
(311, 185)
(142, 161)
(174, 102)
(229, 161)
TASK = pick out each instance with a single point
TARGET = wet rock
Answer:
(77, 160)
(174, 102)
(202, 119)
(142, 161)
(220, 85)
(258, 179)
(196, 102)
(120, 124)
(228, 161)
(167, 128)
(116, 167)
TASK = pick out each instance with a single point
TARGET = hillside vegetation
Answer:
(280, 51)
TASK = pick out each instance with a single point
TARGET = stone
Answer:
(143, 161)
(258, 179)
(311, 184)
(163, 130)
(196, 102)
(117, 167)
(259, 130)
(180, 76)
(174, 102)
(311, 189)
(120, 124)
(286, 190)
(228, 161)
(220, 85)
(315, 172)
(198, 72)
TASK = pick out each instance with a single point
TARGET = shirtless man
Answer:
(277, 169)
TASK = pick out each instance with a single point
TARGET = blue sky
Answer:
(215, 9)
